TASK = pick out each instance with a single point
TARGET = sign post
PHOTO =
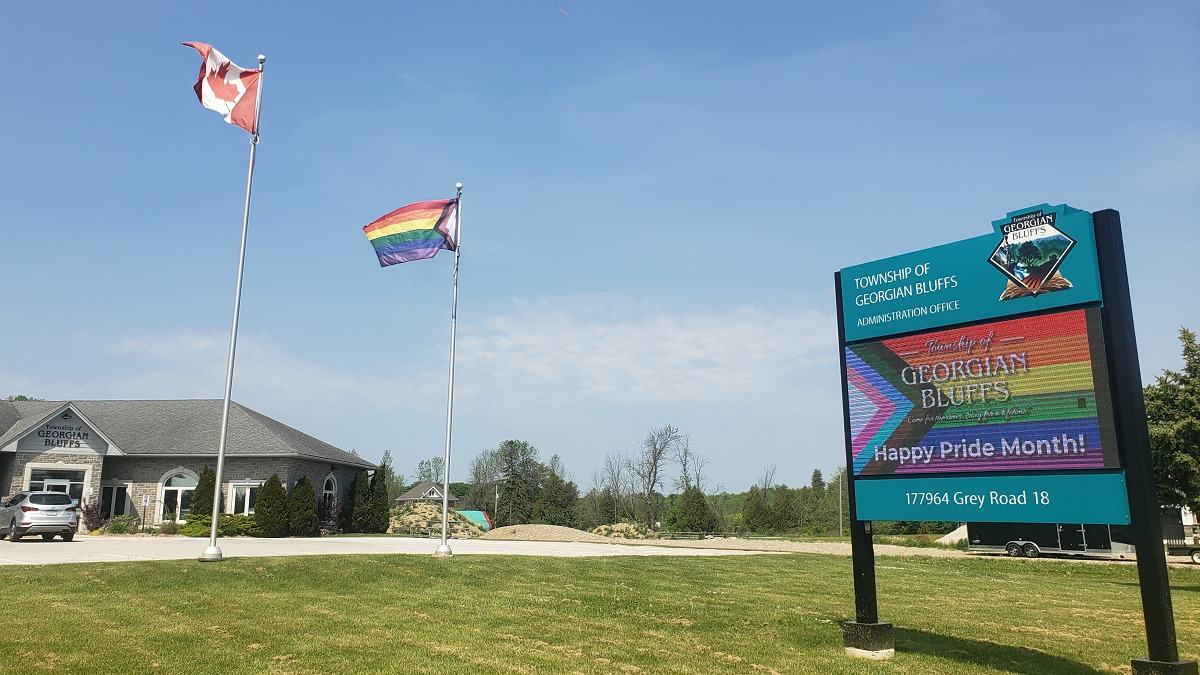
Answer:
(995, 379)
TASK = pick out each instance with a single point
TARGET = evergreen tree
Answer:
(302, 509)
(785, 509)
(1173, 416)
(755, 514)
(692, 513)
(596, 508)
(556, 502)
(271, 508)
(520, 476)
(817, 483)
(202, 496)
(377, 503)
(360, 504)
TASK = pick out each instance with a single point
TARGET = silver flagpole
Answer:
(443, 549)
(213, 552)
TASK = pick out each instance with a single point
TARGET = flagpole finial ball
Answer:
(458, 186)
(262, 58)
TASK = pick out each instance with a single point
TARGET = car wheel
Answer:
(12, 531)
(1013, 550)
(1196, 556)
(47, 537)
(1031, 551)
(68, 536)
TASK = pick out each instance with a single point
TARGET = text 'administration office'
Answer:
(144, 458)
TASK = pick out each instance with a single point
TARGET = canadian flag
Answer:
(226, 88)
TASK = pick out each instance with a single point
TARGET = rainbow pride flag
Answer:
(414, 232)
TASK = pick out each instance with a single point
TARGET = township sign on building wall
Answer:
(976, 379)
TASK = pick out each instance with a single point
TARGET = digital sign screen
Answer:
(1028, 394)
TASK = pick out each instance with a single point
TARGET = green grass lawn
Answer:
(500, 614)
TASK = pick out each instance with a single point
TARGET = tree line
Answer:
(662, 485)
(515, 486)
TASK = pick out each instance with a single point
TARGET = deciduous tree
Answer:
(1173, 417)
(660, 444)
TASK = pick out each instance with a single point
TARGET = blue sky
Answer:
(656, 198)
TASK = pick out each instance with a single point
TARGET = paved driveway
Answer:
(85, 548)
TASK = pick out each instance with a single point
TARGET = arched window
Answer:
(327, 508)
(177, 496)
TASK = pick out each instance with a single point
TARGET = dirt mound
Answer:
(425, 519)
(625, 531)
(543, 533)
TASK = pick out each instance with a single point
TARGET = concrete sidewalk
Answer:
(84, 548)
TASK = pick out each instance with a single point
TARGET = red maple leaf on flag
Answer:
(220, 88)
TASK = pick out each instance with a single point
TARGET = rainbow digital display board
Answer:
(1027, 394)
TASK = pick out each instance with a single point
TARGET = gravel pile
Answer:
(556, 533)
(545, 533)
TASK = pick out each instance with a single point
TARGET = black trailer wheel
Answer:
(1013, 550)
(1031, 551)
(1196, 555)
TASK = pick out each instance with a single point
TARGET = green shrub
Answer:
(360, 505)
(377, 519)
(302, 510)
(200, 526)
(229, 525)
(271, 508)
(202, 496)
(168, 528)
(122, 525)
(239, 525)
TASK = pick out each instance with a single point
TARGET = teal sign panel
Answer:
(1026, 498)
(1038, 258)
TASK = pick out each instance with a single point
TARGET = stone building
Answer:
(144, 458)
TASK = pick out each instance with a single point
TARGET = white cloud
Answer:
(587, 348)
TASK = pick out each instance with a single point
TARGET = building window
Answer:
(58, 480)
(177, 496)
(114, 501)
(327, 508)
(243, 498)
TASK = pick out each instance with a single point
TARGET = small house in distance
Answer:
(425, 491)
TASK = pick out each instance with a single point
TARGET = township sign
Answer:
(1039, 258)
(976, 378)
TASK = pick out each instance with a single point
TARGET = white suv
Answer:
(44, 513)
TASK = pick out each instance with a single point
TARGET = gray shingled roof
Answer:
(177, 427)
(418, 491)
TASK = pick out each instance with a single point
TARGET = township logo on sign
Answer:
(1030, 253)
